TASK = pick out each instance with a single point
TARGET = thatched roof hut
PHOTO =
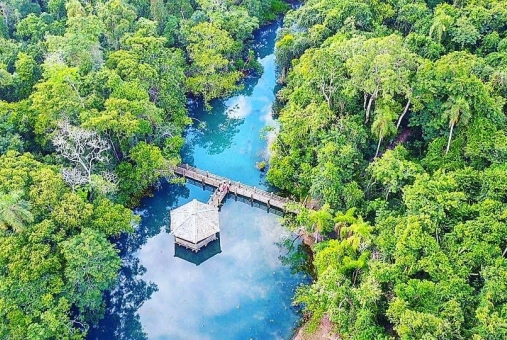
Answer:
(194, 224)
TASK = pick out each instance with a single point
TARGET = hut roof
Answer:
(194, 221)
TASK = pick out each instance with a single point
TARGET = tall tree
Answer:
(383, 123)
(455, 110)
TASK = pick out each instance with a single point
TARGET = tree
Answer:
(441, 23)
(465, 33)
(14, 211)
(144, 166)
(393, 170)
(92, 264)
(211, 50)
(79, 46)
(383, 124)
(379, 68)
(340, 291)
(456, 110)
(118, 18)
(84, 149)
(56, 97)
(26, 75)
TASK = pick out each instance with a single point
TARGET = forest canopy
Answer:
(392, 125)
(92, 108)
(402, 109)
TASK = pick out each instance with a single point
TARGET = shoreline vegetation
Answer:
(92, 109)
(392, 118)
(392, 123)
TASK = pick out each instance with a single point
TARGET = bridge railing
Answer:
(237, 183)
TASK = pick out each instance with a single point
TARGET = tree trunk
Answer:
(449, 140)
(326, 96)
(378, 147)
(372, 98)
(403, 114)
(75, 90)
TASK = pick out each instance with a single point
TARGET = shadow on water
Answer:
(207, 252)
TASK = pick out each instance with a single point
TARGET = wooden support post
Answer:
(251, 199)
(203, 183)
(268, 204)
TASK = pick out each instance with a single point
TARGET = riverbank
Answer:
(236, 288)
(323, 332)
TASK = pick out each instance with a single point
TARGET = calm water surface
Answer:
(235, 288)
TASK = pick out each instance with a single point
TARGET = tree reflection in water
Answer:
(213, 130)
(121, 320)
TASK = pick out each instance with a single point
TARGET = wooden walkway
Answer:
(225, 186)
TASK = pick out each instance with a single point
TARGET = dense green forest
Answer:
(393, 123)
(92, 108)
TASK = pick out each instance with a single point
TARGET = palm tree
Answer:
(455, 110)
(440, 24)
(383, 124)
(14, 211)
(351, 229)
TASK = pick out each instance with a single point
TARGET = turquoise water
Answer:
(235, 288)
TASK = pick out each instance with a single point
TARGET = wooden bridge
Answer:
(225, 186)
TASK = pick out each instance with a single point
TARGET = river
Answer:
(236, 288)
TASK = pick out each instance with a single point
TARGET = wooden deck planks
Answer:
(235, 188)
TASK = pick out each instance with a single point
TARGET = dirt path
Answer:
(324, 332)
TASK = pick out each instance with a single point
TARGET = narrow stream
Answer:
(236, 288)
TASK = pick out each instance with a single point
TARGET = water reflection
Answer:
(214, 133)
(265, 39)
(204, 254)
(231, 133)
(122, 320)
(155, 217)
(243, 292)
(239, 288)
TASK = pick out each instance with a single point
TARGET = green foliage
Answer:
(145, 165)
(91, 267)
(14, 211)
(211, 50)
(396, 109)
(97, 91)
(393, 171)
(54, 254)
